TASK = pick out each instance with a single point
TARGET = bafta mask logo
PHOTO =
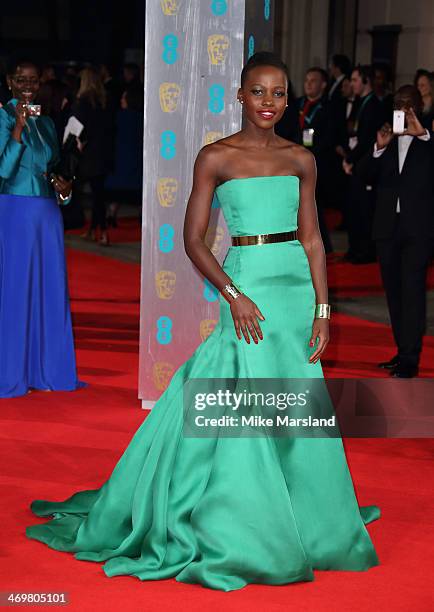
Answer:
(212, 137)
(169, 96)
(167, 189)
(214, 239)
(218, 45)
(165, 281)
(206, 327)
(162, 372)
(170, 7)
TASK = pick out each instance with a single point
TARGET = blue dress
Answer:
(36, 341)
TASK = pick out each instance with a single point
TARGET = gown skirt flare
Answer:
(37, 348)
(225, 512)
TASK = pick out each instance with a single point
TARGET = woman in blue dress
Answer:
(36, 342)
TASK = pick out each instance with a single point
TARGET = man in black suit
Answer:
(307, 122)
(402, 167)
(366, 118)
(340, 68)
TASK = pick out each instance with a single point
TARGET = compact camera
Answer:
(33, 110)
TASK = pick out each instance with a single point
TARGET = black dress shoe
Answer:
(401, 371)
(389, 365)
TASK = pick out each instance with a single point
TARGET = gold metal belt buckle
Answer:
(264, 238)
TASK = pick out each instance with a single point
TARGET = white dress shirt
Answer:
(404, 141)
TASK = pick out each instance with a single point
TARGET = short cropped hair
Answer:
(263, 58)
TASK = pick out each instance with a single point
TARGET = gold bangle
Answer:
(322, 311)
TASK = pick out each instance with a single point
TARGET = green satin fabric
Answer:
(225, 512)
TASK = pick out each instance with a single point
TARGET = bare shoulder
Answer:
(213, 151)
(299, 158)
(216, 154)
(307, 162)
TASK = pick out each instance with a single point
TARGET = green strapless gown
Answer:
(225, 512)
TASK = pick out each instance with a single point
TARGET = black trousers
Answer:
(404, 262)
(98, 202)
(360, 208)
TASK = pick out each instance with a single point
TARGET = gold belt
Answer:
(264, 238)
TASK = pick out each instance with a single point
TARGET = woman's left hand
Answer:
(320, 330)
(62, 186)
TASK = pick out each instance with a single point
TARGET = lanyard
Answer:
(359, 112)
(309, 119)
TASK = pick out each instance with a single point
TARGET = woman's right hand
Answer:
(20, 120)
(21, 114)
(245, 314)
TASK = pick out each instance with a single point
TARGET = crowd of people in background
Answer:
(380, 178)
(338, 117)
(380, 175)
(110, 107)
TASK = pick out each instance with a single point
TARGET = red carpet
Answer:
(129, 230)
(347, 280)
(53, 444)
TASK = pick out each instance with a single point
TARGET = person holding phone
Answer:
(36, 342)
(401, 165)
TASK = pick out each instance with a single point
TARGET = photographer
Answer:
(402, 168)
(36, 344)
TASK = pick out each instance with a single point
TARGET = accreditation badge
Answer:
(353, 142)
(308, 137)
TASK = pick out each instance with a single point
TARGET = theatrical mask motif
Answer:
(206, 327)
(162, 372)
(165, 281)
(214, 239)
(169, 96)
(170, 7)
(218, 45)
(212, 137)
(167, 189)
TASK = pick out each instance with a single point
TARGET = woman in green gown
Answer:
(226, 511)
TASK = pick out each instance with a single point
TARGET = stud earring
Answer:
(240, 101)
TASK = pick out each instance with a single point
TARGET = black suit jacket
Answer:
(414, 187)
(98, 152)
(289, 126)
(336, 94)
(369, 119)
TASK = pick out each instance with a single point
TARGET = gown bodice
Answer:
(260, 204)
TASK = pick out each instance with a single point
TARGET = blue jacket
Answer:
(25, 166)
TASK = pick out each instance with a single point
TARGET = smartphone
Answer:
(398, 121)
(33, 110)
